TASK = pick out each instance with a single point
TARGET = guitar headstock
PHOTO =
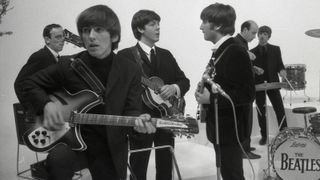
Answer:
(72, 38)
(180, 125)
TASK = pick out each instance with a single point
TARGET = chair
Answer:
(23, 123)
(174, 160)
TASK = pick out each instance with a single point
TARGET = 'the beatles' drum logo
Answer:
(299, 162)
(296, 155)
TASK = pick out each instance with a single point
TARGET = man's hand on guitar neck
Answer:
(204, 97)
(52, 117)
(167, 91)
(143, 124)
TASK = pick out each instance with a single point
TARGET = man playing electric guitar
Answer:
(107, 148)
(159, 62)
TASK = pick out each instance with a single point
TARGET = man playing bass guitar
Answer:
(159, 62)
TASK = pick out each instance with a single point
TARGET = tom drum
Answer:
(296, 76)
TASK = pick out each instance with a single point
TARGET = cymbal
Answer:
(313, 33)
(269, 86)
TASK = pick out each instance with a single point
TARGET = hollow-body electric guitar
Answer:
(151, 97)
(73, 108)
(202, 109)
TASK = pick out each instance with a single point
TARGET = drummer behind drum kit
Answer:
(295, 151)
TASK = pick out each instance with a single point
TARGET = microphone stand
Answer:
(217, 146)
(207, 79)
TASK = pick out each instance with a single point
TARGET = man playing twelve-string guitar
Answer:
(107, 148)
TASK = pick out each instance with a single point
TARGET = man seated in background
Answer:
(54, 41)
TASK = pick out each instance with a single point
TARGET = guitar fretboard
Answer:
(101, 119)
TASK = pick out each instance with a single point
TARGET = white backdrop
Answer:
(180, 22)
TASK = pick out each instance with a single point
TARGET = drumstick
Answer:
(290, 85)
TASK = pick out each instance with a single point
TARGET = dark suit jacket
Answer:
(37, 61)
(234, 75)
(241, 41)
(274, 61)
(167, 69)
(122, 97)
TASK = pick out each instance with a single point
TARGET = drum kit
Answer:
(294, 153)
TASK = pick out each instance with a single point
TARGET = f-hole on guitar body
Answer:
(151, 97)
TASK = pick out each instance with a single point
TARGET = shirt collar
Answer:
(55, 54)
(221, 41)
(146, 48)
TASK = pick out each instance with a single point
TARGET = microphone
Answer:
(214, 86)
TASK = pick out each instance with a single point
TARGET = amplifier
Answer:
(23, 121)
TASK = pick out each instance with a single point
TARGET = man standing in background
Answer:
(269, 62)
(248, 32)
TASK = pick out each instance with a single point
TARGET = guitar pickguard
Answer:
(170, 107)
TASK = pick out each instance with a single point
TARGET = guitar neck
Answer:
(101, 119)
(112, 120)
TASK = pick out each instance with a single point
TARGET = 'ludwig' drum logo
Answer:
(297, 144)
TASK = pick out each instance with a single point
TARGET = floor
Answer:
(195, 156)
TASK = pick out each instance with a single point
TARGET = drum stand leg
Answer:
(284, 97)
(290, 98)
(304, 92)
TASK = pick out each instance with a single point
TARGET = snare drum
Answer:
(296, 76)
(296, 154)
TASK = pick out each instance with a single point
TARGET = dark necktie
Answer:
(153, 59)
(58, 57)
(263, 50)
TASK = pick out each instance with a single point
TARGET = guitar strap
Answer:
(137, 57)
(210, 68)
(87, 75)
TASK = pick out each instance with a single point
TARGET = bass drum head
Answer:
(297, 159)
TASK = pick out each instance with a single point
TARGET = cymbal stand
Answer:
(269, 177)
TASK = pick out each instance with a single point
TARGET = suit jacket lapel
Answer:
(52, 58)
(143, 55)
(113, 76)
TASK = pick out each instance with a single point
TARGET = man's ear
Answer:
(47, 40)
(115, 38)
(140, 30)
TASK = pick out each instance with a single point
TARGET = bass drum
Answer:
(296, 155)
